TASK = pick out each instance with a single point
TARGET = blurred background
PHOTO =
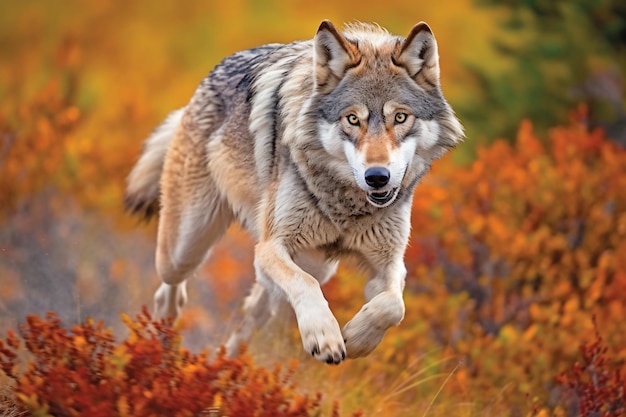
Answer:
(82, 84)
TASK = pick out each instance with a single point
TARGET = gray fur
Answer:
(263, 141)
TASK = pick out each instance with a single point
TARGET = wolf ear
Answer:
(418, 54)
(333, 54)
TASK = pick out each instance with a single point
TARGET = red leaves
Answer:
(84, 372)
(598, 381)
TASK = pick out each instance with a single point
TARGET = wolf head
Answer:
(380, 105)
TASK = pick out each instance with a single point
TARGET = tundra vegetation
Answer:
(517, 264)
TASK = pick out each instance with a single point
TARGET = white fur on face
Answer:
(400, 158)
(329, 136)
(356, 161)
(429, 134)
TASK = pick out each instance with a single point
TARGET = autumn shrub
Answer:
(597, 381)
(33, 145)
(513, 254)
(84, 371)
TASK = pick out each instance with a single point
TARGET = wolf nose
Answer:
(377, 177)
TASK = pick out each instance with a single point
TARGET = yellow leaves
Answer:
(32, 402)
(34, 135)
(476, 225)
(217, 400)
(119, 359)
(509, 334)
(132, 326)
(122, 406)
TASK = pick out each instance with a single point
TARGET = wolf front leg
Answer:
(384, 308)
(320, 332)
(261, 305)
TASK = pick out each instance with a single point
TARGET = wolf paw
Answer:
(366, 329)
(321, 337)
(361, 337)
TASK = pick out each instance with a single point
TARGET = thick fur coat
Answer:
(315, 147)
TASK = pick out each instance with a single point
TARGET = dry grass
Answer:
(8, 407)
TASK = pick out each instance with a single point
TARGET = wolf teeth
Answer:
(381, 199)
(381, 195)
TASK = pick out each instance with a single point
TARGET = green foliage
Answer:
(557, 54)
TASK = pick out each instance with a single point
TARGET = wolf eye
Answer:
(353, 119)
(401, 117)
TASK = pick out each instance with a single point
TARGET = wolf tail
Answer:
(143, 183)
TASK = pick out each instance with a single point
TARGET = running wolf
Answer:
(315, 148)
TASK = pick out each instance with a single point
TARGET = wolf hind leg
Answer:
(262, 305)
(258, 308)
(170, 299)
(181, 249)
(177, 259)
(193, 217)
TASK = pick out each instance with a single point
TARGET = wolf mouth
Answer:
(382, 199)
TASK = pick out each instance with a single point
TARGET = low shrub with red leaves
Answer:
(84, 372)
(597, 381)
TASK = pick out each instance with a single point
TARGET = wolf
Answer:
(315, 147)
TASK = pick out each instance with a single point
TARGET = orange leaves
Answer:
(33, 144)
(575, 140)
(508, 257)
(83, 372)
(534, 233)
(532, 190)
(527, 145)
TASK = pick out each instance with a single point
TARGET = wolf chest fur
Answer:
(315, 147)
